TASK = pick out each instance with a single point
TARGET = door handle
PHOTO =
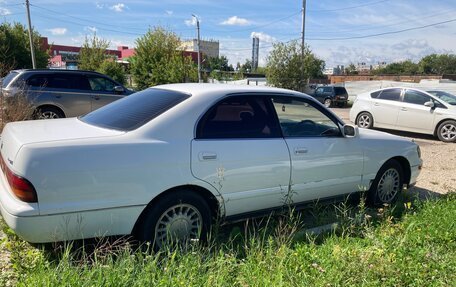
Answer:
(58, 96)
(403, 109)
(376, 104)
(300, 150)
(207, 156)
(96, 98)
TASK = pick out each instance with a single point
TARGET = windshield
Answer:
(444, 96)
(135, 110)
(6, 80)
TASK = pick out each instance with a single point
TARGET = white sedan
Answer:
(163, 163)
(405, 109)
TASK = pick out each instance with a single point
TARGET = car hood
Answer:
(378, 135)
(17, 134)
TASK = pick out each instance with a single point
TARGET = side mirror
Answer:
(119, 89)
(350, 131)
(429, 104)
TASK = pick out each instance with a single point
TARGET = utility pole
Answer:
(198, 49)
(30, 32)
(303, 30)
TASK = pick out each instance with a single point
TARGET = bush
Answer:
(114, 70)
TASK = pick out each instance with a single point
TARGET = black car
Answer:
(331, 95)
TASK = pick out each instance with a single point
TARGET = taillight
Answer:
(21, 187)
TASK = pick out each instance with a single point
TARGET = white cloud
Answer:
(120, 7)
(57, 31)
(191, 22)
(91, 29)
(99, 5)
(263, 37)
(4, 11)
(169, 12)
(236, 21)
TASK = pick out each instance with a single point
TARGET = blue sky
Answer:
(328, 25)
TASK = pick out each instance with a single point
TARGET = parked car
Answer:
(405, 109)
(62, 93)
(444, 96)
(331, 95)
(162, 163)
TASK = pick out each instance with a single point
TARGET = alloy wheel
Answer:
(364, 121)
(48, 115)
(448, 132)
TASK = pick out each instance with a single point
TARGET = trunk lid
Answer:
(17, 134)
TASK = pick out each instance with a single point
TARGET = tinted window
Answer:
(340, 90)
(390, 94)
(101, 84)
(415, 97)
(375, 94)
(327, 90)
(38, 81)
(6, 80)
(59, 81)
(135, 110)
(239, 117)
(444, 96)
(299, 118)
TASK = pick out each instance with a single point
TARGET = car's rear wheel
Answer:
(446, 131)
(177, 218)
(365, 120)
(327, 102)
(387, 185)
(49, 113)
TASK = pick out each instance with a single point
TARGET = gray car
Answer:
(62, 93)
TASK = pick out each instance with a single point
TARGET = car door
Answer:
(239, 150)
(414, 115)
(385, 108)
(319, 95)
(324, 163)
(103, 91)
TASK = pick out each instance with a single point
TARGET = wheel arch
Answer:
(209, 197)
(50, 106)
(440, 122)
(405, 164)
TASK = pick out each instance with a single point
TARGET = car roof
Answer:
(53, 71)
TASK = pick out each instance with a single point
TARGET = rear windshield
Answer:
(134, 110)
(340, 90)
(6, 80)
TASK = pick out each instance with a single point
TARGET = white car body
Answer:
(401, 115)
(92, 181)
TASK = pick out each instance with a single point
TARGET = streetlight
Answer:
(198, 44)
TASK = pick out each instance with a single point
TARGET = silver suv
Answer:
(62, 93)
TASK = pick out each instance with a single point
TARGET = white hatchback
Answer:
(163, 163)
(405, 109)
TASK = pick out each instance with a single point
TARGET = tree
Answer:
(286, 68)
(160, 60)
(15, 49)
(438, 64)
(113, 69)
(93, 53)
(399, 68)
(219, 63)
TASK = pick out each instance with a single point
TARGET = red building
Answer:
(66, 57)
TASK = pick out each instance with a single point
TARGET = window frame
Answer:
(418, 92)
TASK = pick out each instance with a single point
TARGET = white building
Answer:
(209, 48)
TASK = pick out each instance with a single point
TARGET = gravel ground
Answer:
(439, 160)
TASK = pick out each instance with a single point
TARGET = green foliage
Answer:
(114, 70)
(159, 60)
(418, 248)
(438, 64)
(351, 69)
(15, 49)
(286, 68)
(399, 68)
(93, 53)
(218, 63)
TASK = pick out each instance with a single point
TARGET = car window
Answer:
(38, 81)
(319, 91)
(340, 91)
(415, 97)
(327, 89)
(375, 94)
(59, 81)
(6, 80)
(390, 94)
(299, 118)
(444, 96)
(135, 110)
(239, 117)
(101, 84)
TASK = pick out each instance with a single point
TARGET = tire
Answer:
(387, 185)
(49, 113)
(365, 120)
(176, 219)
(446, 131)
(327, 102)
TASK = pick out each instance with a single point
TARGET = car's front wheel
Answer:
(327, 102)
(387, 185)
(446, 131)
(365, 120)
(49, 113)
(178, 218)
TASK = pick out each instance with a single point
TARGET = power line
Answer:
(384, 33)
(348, 8)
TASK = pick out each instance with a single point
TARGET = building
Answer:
(209, 48)
(255, 52)
(338, 70)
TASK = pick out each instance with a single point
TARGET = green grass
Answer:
(410, 245)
